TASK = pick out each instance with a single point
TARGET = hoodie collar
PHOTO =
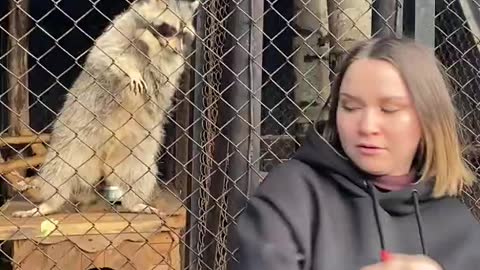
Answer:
(326, 159)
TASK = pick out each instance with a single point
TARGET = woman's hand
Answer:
(405, 262)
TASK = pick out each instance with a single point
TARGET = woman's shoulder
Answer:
(293, 173)
(457, 208)
(293, 180)
(291, 167)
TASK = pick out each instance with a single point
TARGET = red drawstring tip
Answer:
(385, 255)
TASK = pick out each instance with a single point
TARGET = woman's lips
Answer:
(370, 150)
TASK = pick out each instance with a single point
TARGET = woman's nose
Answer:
(370, 122)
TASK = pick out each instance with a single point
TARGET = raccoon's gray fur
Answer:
(111, 124)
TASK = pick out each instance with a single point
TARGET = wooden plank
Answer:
(158, 251)
(97, 242)
(21, 163)
(25, 139)
(17, 71)
(89, 224)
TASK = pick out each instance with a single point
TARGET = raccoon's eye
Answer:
(166, 30)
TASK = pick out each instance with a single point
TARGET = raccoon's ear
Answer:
(194, 5)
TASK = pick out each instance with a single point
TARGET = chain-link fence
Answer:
(457, 37)
(112, 98)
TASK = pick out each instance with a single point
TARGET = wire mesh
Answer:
(457, 48)
(214, 43)
(44, 48)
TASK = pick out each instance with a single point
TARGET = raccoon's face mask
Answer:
(174, 27)
(177, 39)
(164, 31)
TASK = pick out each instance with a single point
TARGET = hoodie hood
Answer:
(325, 159)
(319, 211)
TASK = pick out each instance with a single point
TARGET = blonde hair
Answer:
(439, 156)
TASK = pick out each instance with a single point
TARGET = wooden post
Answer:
(419, 17)
(18, 66)
(17, 80)
(182, 118)
(182, 145)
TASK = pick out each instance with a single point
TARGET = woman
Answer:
(380, 177)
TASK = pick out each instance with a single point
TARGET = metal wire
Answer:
(301, 44)
(457, 48)
(216, 36)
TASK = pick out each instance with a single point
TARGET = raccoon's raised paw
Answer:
(137, 84)
(29, 213)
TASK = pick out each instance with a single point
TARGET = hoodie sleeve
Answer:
(274, 231)
(264, 239)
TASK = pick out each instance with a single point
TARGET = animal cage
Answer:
(252, 82)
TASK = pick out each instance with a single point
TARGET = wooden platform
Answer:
(95, 237)
(76, 224)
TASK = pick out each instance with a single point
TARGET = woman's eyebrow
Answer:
(350, 96)
(386, 98)
(393, 98)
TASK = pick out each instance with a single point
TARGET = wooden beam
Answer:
(18, 68)
(182, 146)
(26, 139)
(21, 164)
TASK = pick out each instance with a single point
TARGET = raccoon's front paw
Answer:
(29, 213)
(137, 84)
(146, 209)
(24, 186)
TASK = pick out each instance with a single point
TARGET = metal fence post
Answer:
(384, 17)
(244, 97)
(419, 21)
(193, 223)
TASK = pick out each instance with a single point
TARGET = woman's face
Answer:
(376, 119)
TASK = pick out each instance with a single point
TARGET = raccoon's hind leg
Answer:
(135, 174)
(86, 196)
(54, 198)
(50, 206)
(59, 180)
(139, 194)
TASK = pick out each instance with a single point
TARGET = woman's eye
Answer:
(166, 30)
(349, 108)
(389, 110)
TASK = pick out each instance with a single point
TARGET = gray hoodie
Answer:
(319, 212)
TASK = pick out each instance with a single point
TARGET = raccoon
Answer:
(111, 125)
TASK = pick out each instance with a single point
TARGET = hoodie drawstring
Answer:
(385, 255)
(416, 204)
(377, 216)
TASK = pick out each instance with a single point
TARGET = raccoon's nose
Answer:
(176, 45)
(180, 45)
